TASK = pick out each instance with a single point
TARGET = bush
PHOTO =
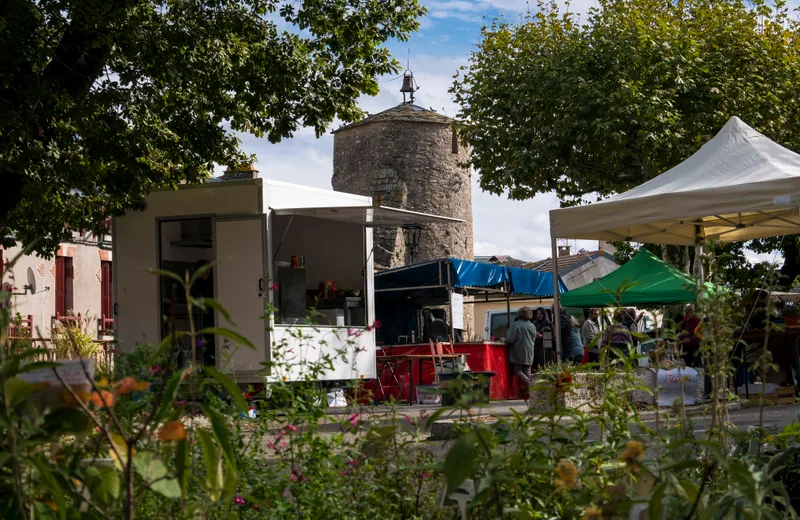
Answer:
(160, 441)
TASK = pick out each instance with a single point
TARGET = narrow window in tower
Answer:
(455, 140)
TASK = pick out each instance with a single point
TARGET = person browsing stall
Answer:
(591, 330)
(521, 338)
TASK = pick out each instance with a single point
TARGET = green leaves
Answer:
(168, 398)
(66, 420)
(604, 102)
(155, 474)
(16, 391)
(229, 386)
(460, 461)
(213, 464)
(230, 334)
(154, 115)
(103, 483)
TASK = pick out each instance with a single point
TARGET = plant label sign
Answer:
(49, 392)
(669, 385)
(73, 372)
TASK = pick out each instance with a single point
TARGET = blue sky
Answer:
(443, 44)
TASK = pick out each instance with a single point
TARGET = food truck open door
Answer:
(240, 286)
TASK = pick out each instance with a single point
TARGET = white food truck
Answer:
(274, 244)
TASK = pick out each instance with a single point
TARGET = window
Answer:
(64, 287)
(106, 298)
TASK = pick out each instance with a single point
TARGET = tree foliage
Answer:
(553, 105)
(104, 101)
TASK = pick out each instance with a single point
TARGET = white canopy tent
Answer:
(739, 186)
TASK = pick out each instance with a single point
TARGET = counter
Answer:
(482, 356)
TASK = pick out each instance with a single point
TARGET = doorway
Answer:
(186, 246)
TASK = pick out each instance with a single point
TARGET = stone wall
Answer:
(409, 165)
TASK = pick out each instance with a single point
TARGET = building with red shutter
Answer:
(76, 283)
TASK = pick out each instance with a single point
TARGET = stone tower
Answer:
(409, 157)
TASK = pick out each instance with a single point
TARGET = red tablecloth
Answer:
(482, 357)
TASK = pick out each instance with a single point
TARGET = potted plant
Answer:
(791, 315)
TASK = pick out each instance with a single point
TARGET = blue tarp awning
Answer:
(533, 283)
(467, 274)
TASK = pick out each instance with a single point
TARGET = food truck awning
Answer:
(370, 216)
(469, 276)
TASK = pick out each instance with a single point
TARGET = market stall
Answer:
(406, 301)
(739, 186)
(643, 280)
(302, 251)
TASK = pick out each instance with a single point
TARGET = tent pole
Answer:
(556, 298)
(508, 304)
(450, 304)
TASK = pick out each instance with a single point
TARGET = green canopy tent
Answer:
(647, 280)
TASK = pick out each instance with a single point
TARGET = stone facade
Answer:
(408, 157)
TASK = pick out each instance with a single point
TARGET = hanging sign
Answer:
(669, 385)
(457, 306)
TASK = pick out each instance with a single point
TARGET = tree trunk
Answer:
(678, 256)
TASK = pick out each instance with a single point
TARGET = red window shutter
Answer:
(69, 276)
(105, 290)
(61, 301)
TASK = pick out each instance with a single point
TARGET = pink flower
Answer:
(375, 325)
(255, 506)
(239, 501)
(156, 369)
(353, 462)
(271, 445)
(353, 420)
(297, 475)
(425, 475)
(180, 403)
(283, 444)
(343, 473)
(291, 428)
(274, 287)
(412, 422)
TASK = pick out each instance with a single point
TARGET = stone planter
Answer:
(588, 388)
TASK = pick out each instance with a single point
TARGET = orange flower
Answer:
(172, 431)
(70, 401)
(633, 455)
(104, 398)
(141, 386)
(563, 381)
(567, 475)
(125, 386)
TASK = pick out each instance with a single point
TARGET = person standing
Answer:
(688, 340)
(542, 324)
(540, 320)
(591, 330)
(618, 336)
(571, 345)
(521, 338)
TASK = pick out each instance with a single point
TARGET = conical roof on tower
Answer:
(403, 112)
